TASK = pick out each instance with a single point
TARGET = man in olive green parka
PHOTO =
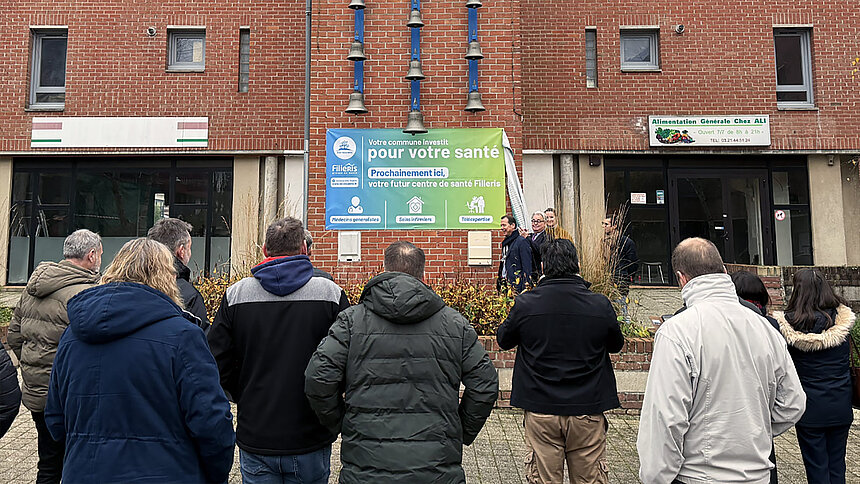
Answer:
(387, 377)
(36, 327)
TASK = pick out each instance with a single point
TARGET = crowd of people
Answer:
(520, 261)
(127, 381)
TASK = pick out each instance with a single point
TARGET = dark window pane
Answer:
(54, 188)
(647, 182)
(649, 229)
(52, 65)
(122, 204)
(613, 182)
(189, 50)
(791, 96)
(790, 187)
(789, 60)
(222, 203)
(53, 223)
(21, 189)
(52, 97)
(192, 187)
(636, 49)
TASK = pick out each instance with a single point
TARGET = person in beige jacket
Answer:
(36, 327)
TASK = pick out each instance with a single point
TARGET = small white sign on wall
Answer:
(120, 132)
(638, 198)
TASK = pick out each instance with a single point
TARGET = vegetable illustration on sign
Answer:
(672, 136)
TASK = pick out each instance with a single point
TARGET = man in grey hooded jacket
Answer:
(387, 377)
(721, 384)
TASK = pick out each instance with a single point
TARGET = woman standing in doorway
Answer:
(817, 324)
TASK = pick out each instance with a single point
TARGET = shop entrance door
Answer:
(726, 207)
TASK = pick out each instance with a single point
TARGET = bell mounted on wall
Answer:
(356, 103)
(359, 4)
(356, 52)
(415, 19)
(473, 3)
(415, 73)
(474, 104)
(415, 123)
(474, 51)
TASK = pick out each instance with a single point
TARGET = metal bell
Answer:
(359, 4)
(473, 104)
(415, 19)
(356, 52)
(474, 51)
(473, 3)
(356, 103)
(415, 123)
(415, 73)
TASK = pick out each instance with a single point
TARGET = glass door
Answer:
(725, 208)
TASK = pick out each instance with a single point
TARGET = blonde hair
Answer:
(146, 262)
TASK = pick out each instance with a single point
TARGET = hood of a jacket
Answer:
(708, 287)
(182, 270)
(284, 275)
(829, 338)
(400, 298)
(50, 277)
(112, 311)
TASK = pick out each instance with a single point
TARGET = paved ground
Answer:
(495, 458)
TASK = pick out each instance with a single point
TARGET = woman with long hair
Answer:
(817, 324)
(134, 390)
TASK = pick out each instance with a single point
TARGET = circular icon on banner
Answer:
(779, 215)
(344, 147)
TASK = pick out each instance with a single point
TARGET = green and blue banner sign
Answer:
(386, 179)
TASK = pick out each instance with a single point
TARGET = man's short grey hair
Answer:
(309, 240)
(171, 232)
(80, 243)
(542, 216)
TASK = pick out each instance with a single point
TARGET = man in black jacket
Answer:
(176, 235)
(515, 265)
(388, 377)
(264, 334)
(563, 378)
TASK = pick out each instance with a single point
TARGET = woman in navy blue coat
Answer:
(817, 324)
(134, 389)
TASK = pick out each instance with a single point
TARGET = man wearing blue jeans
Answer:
(263, 336)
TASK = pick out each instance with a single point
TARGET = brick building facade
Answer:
(577, 147)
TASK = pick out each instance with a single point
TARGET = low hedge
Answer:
(483, 306)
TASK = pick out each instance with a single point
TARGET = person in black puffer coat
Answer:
(387, 377)
(751, 291)
(817, 324)
(10, 392)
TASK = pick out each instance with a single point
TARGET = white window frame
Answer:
(652, 33)
(805, 35)
(174, 33)
(37, 35)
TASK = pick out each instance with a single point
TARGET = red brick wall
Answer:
(115, 69)
(443, 96)
(723, 64)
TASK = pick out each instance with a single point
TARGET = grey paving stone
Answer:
(496, 456)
